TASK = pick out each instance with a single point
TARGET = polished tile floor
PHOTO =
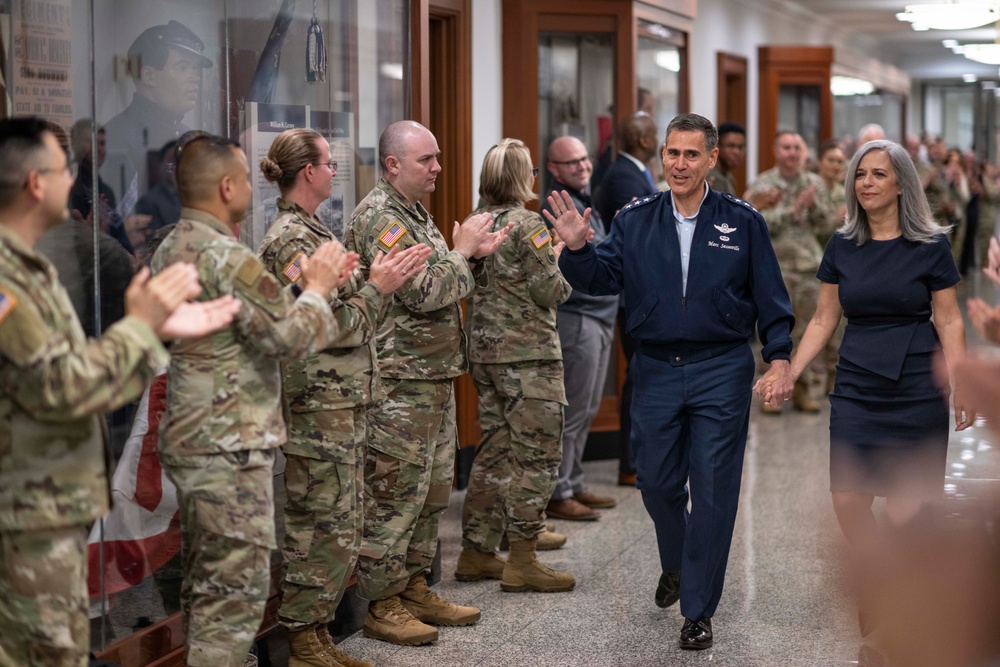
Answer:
(785, 601)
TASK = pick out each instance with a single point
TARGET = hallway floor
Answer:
(785, 601)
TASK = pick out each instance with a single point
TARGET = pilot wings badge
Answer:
(725, 228)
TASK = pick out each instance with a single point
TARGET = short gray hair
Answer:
(915, 219)
(692, 122)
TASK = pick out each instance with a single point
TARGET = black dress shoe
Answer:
(696, 635)
(668, 591)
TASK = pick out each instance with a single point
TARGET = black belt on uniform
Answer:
(679, 355)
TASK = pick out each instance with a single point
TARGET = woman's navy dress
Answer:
(889, 421)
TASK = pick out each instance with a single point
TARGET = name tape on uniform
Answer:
(391, 235)
(294, 269)
(541, 237)
(7, 304)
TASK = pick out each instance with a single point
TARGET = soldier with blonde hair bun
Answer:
(325, 398)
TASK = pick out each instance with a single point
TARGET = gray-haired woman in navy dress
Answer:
(888, 269)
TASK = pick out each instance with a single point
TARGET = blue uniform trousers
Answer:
(689, 425)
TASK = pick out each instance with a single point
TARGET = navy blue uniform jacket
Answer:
(733, 279)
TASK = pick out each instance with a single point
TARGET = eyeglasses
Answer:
(332, 164)
(66, 168)
(534, 172)
(572, 163)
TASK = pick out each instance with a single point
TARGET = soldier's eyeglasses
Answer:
(332, 164)
(572, 163)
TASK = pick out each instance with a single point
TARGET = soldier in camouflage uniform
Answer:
(832, 161)
(325, 397)
(732, 156)
(518, 372)
(54, 384)
(223, 418)
(421, 348)
(796, 208)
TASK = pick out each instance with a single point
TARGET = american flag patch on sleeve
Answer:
(541, 238)
(294, 269)
(7, 304)
(393, 234)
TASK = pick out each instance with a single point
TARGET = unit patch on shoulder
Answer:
(294, 269)
(248, 272)
(391, 235)
(541, 237)
(8, 301)
(268, 287)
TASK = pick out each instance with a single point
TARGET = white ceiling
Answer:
(918, 53)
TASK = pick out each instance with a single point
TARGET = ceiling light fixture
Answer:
(982, 53)
(952, 15)
(849, 85)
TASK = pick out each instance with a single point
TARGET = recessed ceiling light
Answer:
(953, 15)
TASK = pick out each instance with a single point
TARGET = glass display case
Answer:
(121, 81)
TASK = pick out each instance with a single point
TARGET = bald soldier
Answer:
(793, 202)
(54, 385)
(223, 418)
(412, 434)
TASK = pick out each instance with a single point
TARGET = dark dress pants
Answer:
(689, 425)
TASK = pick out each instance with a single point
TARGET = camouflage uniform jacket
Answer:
(721, 182)
(223, 390)
(514, 318)
(54, 384)
(794, 237)
(421, 336)
(344, 375)
(835, 198)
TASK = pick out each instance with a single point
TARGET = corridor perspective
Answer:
(786, 602)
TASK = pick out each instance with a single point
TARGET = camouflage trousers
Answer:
(803, 290)
(323, 512)
(410, 464)
(43, 598)
(227, 531)
(517, 462)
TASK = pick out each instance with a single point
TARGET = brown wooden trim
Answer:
(447, 51)
(686, 8)
(419, 108)
(790, 65)
(732, 72)
(520, 72)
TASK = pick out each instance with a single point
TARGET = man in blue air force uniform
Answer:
(698, 272)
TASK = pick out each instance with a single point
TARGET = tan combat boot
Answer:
(341, 656)
(391, 622)
(474, 565)
(429, 607)
(801, 400)
(306, 649)
(523, 572)
(548, 541)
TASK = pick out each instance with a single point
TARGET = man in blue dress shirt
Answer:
(698, 272)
